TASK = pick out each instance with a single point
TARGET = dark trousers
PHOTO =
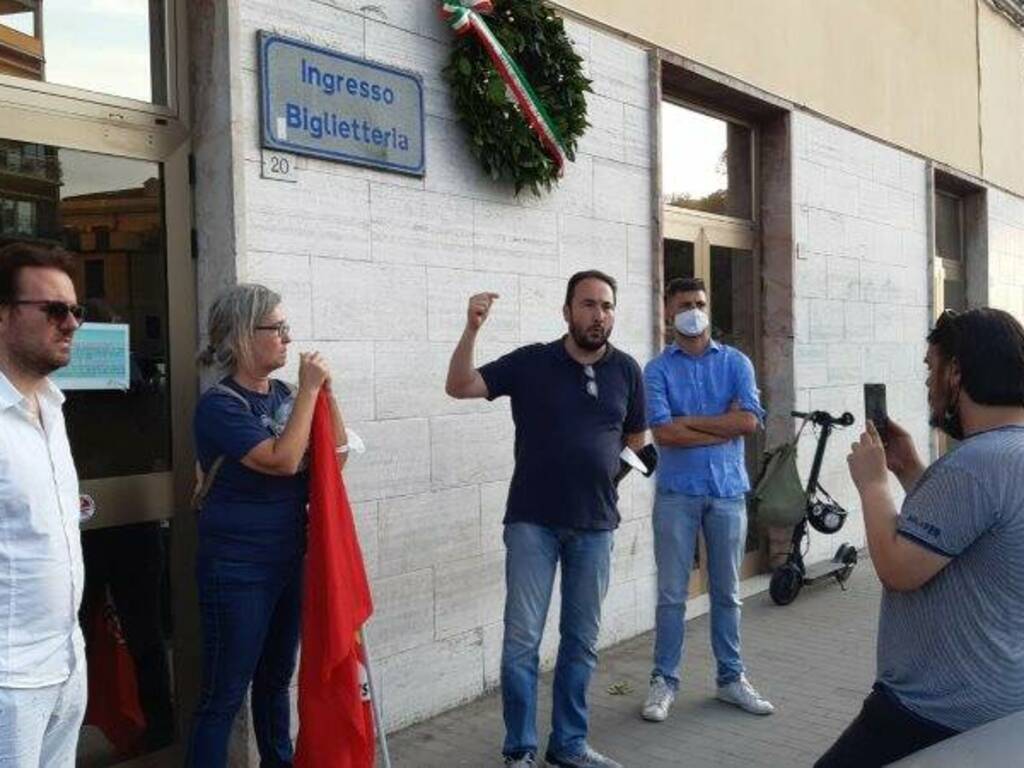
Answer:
(884, 732)
(250, 614)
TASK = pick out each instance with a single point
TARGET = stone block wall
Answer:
(375, 270)
(860, 298)
(1006, 252)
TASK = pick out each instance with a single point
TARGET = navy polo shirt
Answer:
(567, 440)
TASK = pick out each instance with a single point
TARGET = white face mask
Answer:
(692, 322)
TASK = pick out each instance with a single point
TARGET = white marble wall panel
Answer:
(410, 226)
(308, 20)
(1006, 252)
(860, 298)
(448, 292)
(375, 270)
(358, 301)
(396, 461)
(472, 448)
(470, 593)
(415, 683)
(428, 529)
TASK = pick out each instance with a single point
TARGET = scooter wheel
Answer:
(785, 584)
(846, 554)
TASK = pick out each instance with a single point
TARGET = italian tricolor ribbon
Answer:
(465, 17)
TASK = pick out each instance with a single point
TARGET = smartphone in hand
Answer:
(875, 409)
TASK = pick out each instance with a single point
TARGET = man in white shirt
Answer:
(42, 652)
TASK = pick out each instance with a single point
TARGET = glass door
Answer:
(94, 146)
(111, 214)
(721, 253)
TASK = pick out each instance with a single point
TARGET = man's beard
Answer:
(587, 338)
(948, 420)
(36, 362)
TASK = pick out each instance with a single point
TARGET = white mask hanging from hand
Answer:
(692, 322)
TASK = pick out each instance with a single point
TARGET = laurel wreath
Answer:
(499, 137)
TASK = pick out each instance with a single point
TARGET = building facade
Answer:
(838, 173)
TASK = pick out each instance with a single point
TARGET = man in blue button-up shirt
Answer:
(702, 400)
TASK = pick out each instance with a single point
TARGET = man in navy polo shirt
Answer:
(702, 401)
(576, 402)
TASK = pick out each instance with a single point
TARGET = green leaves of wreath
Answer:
(499, 136)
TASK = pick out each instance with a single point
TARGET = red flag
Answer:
(113, 692)
(335, 712)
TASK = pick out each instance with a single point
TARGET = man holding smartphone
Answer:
(951, 562)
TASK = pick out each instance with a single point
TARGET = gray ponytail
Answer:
(232, 323)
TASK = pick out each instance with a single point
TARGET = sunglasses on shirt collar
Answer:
(591, 385)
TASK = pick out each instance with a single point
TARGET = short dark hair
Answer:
(16, 256)
(988, 345)
(589, 274)
(683, 285)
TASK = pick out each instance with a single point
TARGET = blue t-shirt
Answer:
(567, 440)
(680, 384)
(952, 651)
(247, 515)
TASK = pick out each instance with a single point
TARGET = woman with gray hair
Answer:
(252, 432)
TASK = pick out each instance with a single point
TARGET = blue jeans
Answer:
(677, 520)
(250, 614)
(532, 553)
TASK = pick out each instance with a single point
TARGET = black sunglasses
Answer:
(57, 311)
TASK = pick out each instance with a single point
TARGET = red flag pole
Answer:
(378, 718)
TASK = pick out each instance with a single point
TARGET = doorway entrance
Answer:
(722, 255)
(94, 158)
(709, 231)
(110, 213)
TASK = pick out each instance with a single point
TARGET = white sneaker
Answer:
(659, 699)
(742, 694)
(588, 758)
(526, 761)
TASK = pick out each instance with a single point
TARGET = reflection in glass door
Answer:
(115, 47)
(731, 283)
(109, 212)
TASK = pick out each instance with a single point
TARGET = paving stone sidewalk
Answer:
(814, 659)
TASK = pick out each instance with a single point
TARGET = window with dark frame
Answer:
(85, 45)
(707, 164)
(950, 249)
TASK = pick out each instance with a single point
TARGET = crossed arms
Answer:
(695, 431)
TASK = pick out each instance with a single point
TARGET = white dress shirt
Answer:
(41, 571)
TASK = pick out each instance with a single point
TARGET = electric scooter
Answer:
(824, 514)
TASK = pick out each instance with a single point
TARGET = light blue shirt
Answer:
(680, 384)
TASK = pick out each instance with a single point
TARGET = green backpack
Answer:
(779, 498)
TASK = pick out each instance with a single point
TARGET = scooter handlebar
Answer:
(823, 417)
